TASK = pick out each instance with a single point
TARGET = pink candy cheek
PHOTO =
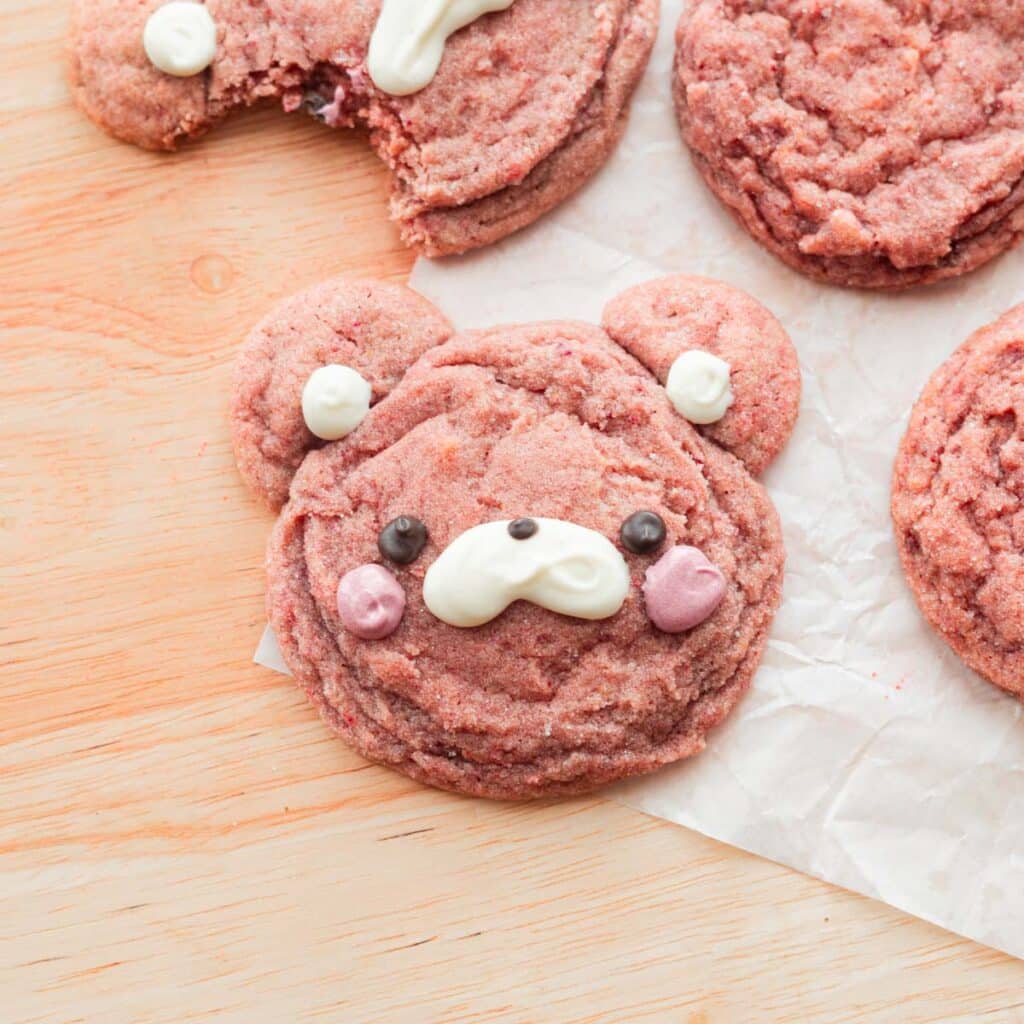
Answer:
(371, 612)
(682, 589)
(371, 602)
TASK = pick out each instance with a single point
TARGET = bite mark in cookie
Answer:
(525, 105)
(595, 581)
(958, 501)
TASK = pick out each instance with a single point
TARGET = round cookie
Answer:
(864, 143)
(375, 328)
(658, 320)
(492, 440)
(540, 420)
(526, 104)
(958, 501)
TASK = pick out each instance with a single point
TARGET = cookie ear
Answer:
(740, 380)
(118, 86)
(367, 332)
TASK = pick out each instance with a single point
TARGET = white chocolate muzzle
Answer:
(562, 567)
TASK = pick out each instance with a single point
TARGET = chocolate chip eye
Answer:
(520, 529)
(642, 532)
(403, 539)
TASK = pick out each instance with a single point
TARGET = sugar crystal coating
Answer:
(958, 501)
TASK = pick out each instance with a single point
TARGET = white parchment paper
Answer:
(866, 753)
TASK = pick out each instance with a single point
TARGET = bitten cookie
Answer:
(865, 143)
(486, 120)
(524, 571)
(958, 501)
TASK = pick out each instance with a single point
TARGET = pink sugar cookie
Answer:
(518, 484)
(865, 143)
(958, 501)
(526, 104)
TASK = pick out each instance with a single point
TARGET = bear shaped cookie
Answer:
(487, 112)
(526, 560)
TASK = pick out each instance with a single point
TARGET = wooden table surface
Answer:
(180, 839)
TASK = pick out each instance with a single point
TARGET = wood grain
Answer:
(180, 840)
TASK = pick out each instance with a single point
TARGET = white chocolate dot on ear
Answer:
(334, 401)
(180, 38)
(698, 386)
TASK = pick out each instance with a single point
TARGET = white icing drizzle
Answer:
(180, 38)
(334, 401)
(698, 386)
(563, 567)
(408, 40)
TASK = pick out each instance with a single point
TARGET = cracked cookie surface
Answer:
(958, 501)
(865, 143)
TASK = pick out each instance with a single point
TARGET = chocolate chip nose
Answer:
(520, 529)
